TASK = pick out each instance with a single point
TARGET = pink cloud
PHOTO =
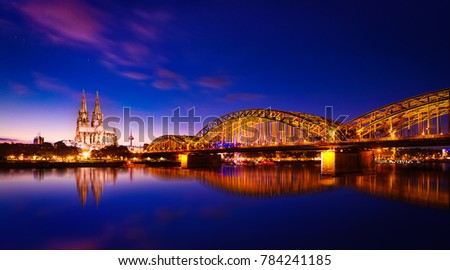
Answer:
(108, 64)
(165, 73)
(19, 89)
(135, 75)
(129, 55)
(164, 84)
(51, 84)
(116, 59)
(69, 22)
(136, 52)
(77, 23)
(214, 82)
(144, 32)
(243, 97)
(55, 86)
(168, 79)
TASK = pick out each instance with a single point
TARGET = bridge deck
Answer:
(415, 141)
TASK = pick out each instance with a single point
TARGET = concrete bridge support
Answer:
(189, 161)
(340, 162)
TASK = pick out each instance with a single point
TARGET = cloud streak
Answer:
(52, 85)
(68, 22)
(214, 82)
(126, 46)
(169, 80)
(19, 89)
(78, 24)
(135, 75)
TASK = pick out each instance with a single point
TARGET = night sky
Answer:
(216, 56)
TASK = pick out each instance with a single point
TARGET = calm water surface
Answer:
(266, 207)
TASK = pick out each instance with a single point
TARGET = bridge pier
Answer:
(340, 162)
(189, 161)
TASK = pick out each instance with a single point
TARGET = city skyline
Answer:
(216, 56)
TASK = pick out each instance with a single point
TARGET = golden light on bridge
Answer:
(328, 161)
(184, 160)
(410, 118)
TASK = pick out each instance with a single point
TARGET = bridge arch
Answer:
(265, 127)
(253, 127)
(171, 143)
(421, 115)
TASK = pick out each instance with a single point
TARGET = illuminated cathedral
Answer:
(93, 134)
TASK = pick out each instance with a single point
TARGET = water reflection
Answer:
(423, 184)
(426, 185)
(255, 181)
(93, 179)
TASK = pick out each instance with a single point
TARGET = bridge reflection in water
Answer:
(421, 184)
(256, 181)
(426, 185)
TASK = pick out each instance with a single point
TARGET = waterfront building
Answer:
(92, 134)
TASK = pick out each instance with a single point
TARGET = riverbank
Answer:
(115, 164)
(56, 164)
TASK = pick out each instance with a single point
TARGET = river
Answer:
(233, 207)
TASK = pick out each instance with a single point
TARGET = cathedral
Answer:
(93, 134)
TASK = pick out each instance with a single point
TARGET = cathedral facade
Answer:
(92, 133)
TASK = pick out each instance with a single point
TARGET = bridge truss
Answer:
(256, 127)
(423, 115)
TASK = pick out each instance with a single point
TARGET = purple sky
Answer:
(216, 56)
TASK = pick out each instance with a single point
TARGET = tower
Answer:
(93, 134)
(97, 116)
(83, 114)
(82, 121)
(131, 138)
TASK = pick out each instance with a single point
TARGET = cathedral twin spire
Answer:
(83, 114)
(83, 103)
(93, 134)
(97, 117)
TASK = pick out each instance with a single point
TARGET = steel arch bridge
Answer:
(424, 116)
(171, 143)
(420, 115)
(253, 127)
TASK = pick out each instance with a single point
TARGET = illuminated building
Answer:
(93, 134)
(38, 139)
